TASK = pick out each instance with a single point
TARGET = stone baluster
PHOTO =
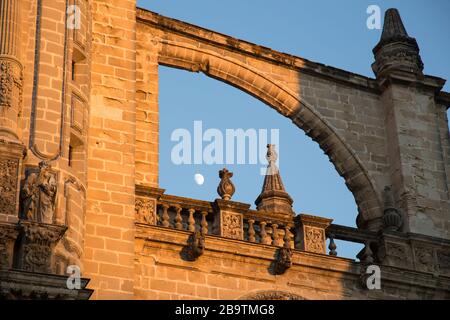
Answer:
(165, 216)
(178, 219)
(366, 254)
(275, 238)
(204, 223)
(332, 246)
(191, 220)
(287, 237)
(251, 230)
(263, 233)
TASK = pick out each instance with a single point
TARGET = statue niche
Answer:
(38, 195)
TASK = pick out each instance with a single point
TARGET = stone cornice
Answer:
(153, 236)
(288, 60)
(260, 52)
(18, 284)
(444, 99)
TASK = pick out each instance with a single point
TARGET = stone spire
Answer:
(396, 51)
(393, 26)
(274, 200)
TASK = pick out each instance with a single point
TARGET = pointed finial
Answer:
(393, 25)
(273, 198)
(396, 51)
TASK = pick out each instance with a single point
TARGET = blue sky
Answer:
(330, 32)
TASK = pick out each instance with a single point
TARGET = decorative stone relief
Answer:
(310, 236)
(145, 211)
(232, 225)
(425, 259)
(8, 185)
(314, 240)
(37, 245)
(399, 57)
(6, 84)
(4, 259)
(38, 195)
(397, 254)
(8, 234)
(444, 262)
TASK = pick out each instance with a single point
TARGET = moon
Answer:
(199, 179)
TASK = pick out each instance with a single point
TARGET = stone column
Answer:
(311, 233)
(11, 150)
(10, 69)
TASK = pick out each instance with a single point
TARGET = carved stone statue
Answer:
(226, 188)
(272, 157)
(38, 195)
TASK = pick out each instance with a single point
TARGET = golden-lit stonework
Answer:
(79, 165)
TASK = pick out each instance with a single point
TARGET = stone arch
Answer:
(271, 295)
(225, 68)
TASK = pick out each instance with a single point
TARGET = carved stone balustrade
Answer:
(184, 214)
(264, 229)
(235, 220)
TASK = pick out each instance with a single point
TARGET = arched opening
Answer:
(285, 101)
(307, 173)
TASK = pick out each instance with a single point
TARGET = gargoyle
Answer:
(283, 261)
(196, 245)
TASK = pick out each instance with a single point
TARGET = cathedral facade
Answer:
(82, 214)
